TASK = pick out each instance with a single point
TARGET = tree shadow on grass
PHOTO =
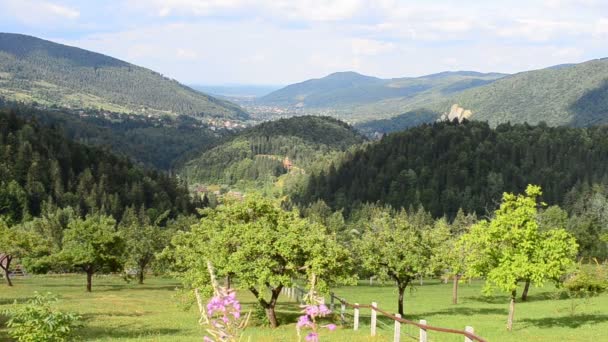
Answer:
(19, 300)
(573, 321)
(459, 311)
(501, 299)
(127, 331)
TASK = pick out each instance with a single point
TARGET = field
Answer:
(120, 311)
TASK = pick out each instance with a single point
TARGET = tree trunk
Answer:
(6, 270)
(400, 302)
(455, 289)
(524, 295)
(141, 276)
(269, 306)
(228, 282)
(511, 311)
(89, 279)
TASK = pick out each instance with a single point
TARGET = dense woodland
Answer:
(39, 168)
(260, 153)
(444, 167)
(157, 142)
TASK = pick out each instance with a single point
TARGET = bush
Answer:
(37, 320)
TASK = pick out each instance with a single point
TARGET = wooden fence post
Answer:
(331, 301)
(423, 337)
(470, 330)
(342, 313)
(356, 317)
(374, 318)
(397, 335)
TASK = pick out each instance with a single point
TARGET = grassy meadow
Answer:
(120, 311)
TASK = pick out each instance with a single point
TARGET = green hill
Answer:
(361, 98)
(446, 166)
(567, 94)
(265, 152)
(36, 70)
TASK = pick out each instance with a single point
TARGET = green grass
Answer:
(117, 311)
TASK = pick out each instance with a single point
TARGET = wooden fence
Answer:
(468, 333)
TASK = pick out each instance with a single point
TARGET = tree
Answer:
(262, 245)
(93, 245)
(511, 248)
(142, 241)
(454, 252)
(401, 246)
(15, 243)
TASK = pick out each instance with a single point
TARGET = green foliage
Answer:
(511, 248)
(447, 166)
(92, 244)
(401, 246)
(263, 246)
(41, 71)
(258, 154)
(41, 168)
(158, 142)
(37, 321)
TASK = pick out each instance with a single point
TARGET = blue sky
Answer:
(286, 41)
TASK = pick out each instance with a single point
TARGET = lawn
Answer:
(119, 311)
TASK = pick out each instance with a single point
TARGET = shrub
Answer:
(37, 320)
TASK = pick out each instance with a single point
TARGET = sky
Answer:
(287, 41)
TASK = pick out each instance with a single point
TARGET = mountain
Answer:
(266, 152)
(36, 70)
(445, 166)
(565, 94)
(574, 95)
(361, 97)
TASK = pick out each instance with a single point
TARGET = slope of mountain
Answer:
(446, 166)
(36, 70)
(563, 95)
(40, 169)
(365, 97)
(265, 152)
(156, 142)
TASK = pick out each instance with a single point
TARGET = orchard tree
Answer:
(454, 252)
(511, 248)
(92, 244)
(143, 240)
(16, 243)
(401, 247)
(263, 246)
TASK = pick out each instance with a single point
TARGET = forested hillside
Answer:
(271, 149)
(40, 168)
(156, 142)
(447, 166)
(36, 70)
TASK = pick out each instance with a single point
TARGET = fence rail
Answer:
(468, 333)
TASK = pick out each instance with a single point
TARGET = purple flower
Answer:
(312, 337)
(304, 321)
(324, 310)
(331, 327)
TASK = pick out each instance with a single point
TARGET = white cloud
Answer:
(36, 13)
(183, 53)
(370, 47)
